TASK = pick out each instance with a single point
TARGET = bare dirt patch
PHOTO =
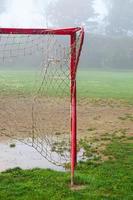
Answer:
(17, 116)
(77, 187)
(98, 121)
(23, 117)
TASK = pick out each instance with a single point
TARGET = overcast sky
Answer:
(101, 8)
(31, 13)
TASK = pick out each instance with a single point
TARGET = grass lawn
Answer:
(106, 84)
(91, 83)
(110, 180)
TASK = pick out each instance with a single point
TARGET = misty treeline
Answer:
(109, 40)
(107, 52)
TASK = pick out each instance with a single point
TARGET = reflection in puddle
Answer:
(24, 157)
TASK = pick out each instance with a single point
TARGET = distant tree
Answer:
(120, 17)
(71, 12)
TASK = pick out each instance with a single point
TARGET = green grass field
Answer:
(108, 180)
(92, 84)
(106, 84)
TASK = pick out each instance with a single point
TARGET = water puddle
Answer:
(17, 154)
(22, 156)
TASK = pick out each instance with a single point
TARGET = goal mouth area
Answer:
(44, 109)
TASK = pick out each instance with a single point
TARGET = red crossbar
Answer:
(61, 31)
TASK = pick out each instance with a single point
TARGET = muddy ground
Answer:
(19, 116)
(100, 117)
(23, 117)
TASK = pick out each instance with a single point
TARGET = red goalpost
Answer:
(76, 38)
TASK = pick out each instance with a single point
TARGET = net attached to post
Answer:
(35, 92)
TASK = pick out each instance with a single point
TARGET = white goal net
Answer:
(35, 91)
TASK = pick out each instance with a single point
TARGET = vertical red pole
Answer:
(73, 107)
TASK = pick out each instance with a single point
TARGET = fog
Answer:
(108, 25)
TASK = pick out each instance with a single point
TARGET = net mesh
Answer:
(35, 92)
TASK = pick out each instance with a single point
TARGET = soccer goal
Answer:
(38, 90)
